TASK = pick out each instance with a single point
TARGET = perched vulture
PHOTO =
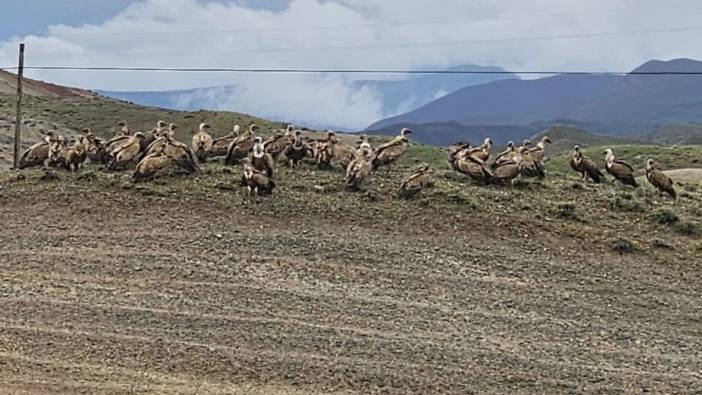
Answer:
(261, 160)
(202, 143)
(75, 155)
(56, 152)
(240, 147)
(322, 150)
(220, 144)
(585, 166)
(257, 182)
(358, 170)
(659, 179)
(296, 151)
(389, 152)
(619, 169)
(412, 184)
(37, 154)
(183, 157)
(457, 150)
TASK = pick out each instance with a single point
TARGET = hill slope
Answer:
(620, 105)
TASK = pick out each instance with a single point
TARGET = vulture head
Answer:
(161, 124)
(204, 127)
(289, 129)
(404, 132)
(253, 128)
(526, 143)
(248, 171)
(650, 164)
(609, 155)
(122, 123)
(236, 129)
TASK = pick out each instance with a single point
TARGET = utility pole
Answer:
(18, 120)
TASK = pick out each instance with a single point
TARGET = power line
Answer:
(398, 45)
(350, 71)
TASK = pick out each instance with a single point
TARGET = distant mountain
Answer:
(681, 134)
(445, 133)
(395, 96)
(414, 91)
(624, 105)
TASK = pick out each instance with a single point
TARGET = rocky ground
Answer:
(186, 285)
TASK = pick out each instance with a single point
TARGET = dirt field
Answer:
(108, 287)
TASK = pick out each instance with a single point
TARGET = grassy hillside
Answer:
(564, 137)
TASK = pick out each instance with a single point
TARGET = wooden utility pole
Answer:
(18, 120)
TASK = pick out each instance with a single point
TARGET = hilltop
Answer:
(621, 105)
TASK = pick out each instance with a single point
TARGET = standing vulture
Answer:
(202, 142)
(505, 155)
(37, 154)
(220, 144)
(240, 147)
(472, 167)
(619, 169)
(659, 179)
(152, 164)
(260, 159)
(585, 166)
(296, 151)
(127, 153)
(529, 166)
(364, 146)
(180, 153)
(415, 182)
(506, 171)
(257, 182)
(342, 154)
(358, 170)
(538, 152)
(389, 152)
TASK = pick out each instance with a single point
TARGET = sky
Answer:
(596, 35)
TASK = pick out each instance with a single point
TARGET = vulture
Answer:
(322, 150)
(180, 153)
(202, 142)
(56, 151)
(257, 182)
(277, 143)
(127, 153)
(37, 154)
(621, 170)
(75, 155)
(261, 160)
(659, 179)
(220, 144)
(482, 151)
(342, 154)
(529, 166)
(585, 166)
(152, 164)
(506, 171)
(364, 146)
(412, 184)
(538, 152)
(505, 155)
(389, 152)
(94, 146)
(358, 170)
(240, 147)
(296, 151)
(472, 167)
(115, 143)
(457, 150)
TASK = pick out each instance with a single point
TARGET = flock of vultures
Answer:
(156, 152)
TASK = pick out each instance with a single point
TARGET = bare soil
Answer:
(108, 287)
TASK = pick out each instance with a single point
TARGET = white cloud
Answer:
(351, 34)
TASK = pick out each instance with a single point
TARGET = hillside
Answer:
(30, 87)
(685, 134)
(607, 104)
(564, 137)
(316, 290)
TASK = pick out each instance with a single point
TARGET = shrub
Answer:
(688, 228)
(622, 246)
(665, 216)
(567, 210)
(622, 203)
